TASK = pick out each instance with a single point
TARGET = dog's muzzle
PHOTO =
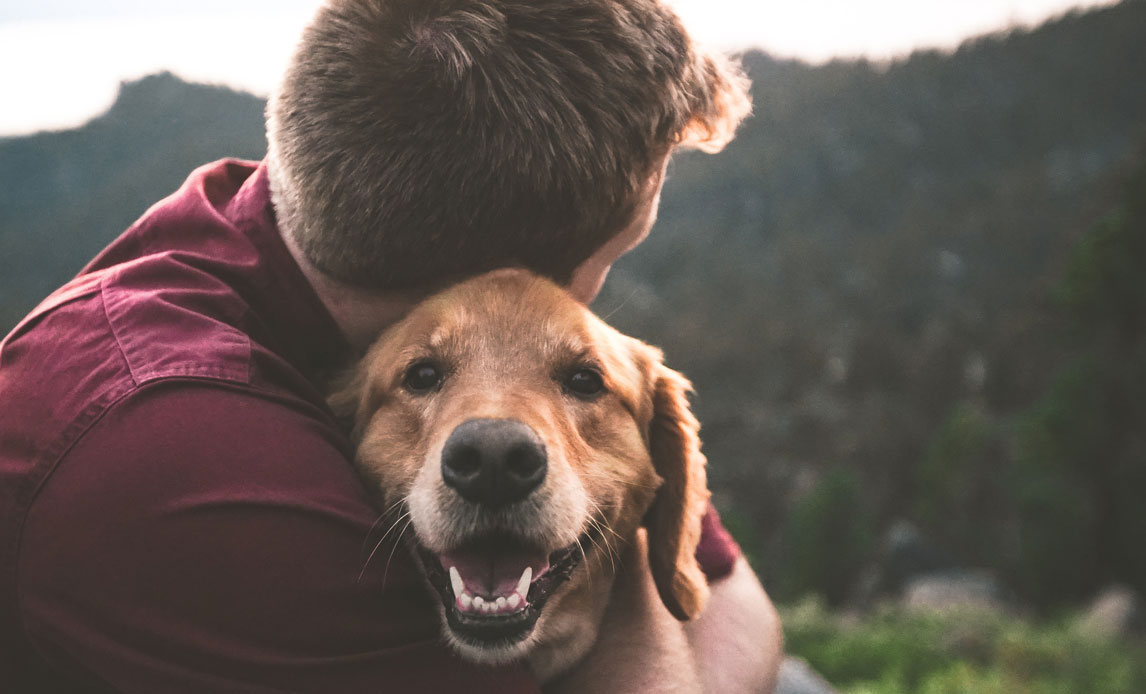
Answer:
(494, 584)
(493, 462)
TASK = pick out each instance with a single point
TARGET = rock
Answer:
(1115, 612)
(955, 589)
(909, 553)
(797, 678)
(905, 554)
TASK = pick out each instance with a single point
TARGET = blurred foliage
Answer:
(858, 287)
(954, 481)
(1103, 286)
(1058, 514)
(962, 652)
(1081, 451)
(830, 535)
(1050, 495)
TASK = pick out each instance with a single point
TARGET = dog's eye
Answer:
(422, 377)
(584, 382)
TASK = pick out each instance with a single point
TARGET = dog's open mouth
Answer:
(495, 587)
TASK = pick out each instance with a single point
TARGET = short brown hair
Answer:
(414, 142)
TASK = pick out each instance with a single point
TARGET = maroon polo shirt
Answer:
(177, 508)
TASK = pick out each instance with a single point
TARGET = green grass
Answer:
(894, 652)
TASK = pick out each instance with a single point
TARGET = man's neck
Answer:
(361, 314)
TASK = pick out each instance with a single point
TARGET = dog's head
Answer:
(527, 441)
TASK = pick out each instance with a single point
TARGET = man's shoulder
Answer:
(170, 318)
(100, 339)
(109, 340)
(196, 290)
(125, 326)
(87, 347)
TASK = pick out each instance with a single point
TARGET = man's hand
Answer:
(733, 647)
(641, 648)
(737, 642)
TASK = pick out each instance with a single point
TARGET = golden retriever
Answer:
(528, 442)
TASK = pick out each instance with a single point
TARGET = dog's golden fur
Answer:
(625, 458)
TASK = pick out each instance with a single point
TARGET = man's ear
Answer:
(674, 520)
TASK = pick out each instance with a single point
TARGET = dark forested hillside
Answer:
(64, 195)
(862, 286)
(874, 257)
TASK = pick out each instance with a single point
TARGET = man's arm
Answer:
(734, 646)
(200, 539)
(737, 641)
(641, 647)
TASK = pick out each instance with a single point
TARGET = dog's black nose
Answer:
(493, 462)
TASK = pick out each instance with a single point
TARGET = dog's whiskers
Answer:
(585, 558)
(621, 305)
(381, 518)
(397, 541)
(599, 475)
(598, 519)
(607, 550)
(601, 528)
(382, 539)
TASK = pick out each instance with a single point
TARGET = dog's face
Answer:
(527, 441)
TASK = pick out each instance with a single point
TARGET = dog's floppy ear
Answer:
(674, 520)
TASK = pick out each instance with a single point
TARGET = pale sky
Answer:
(62, 60)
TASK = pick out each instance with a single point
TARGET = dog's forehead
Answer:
(505, 313)
(518, 326)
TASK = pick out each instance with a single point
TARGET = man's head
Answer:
(418, 142)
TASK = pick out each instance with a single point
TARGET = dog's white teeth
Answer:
(456, 581)
(500, 605)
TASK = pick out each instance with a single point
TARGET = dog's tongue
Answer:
(493, 571)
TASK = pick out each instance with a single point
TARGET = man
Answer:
(177, 509)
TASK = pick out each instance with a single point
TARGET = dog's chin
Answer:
(493, 589)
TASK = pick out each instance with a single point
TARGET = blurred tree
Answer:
(955, 497)
(1081, 465)
(829, 535)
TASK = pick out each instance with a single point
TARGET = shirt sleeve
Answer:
(717, 552)
(201, 539)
